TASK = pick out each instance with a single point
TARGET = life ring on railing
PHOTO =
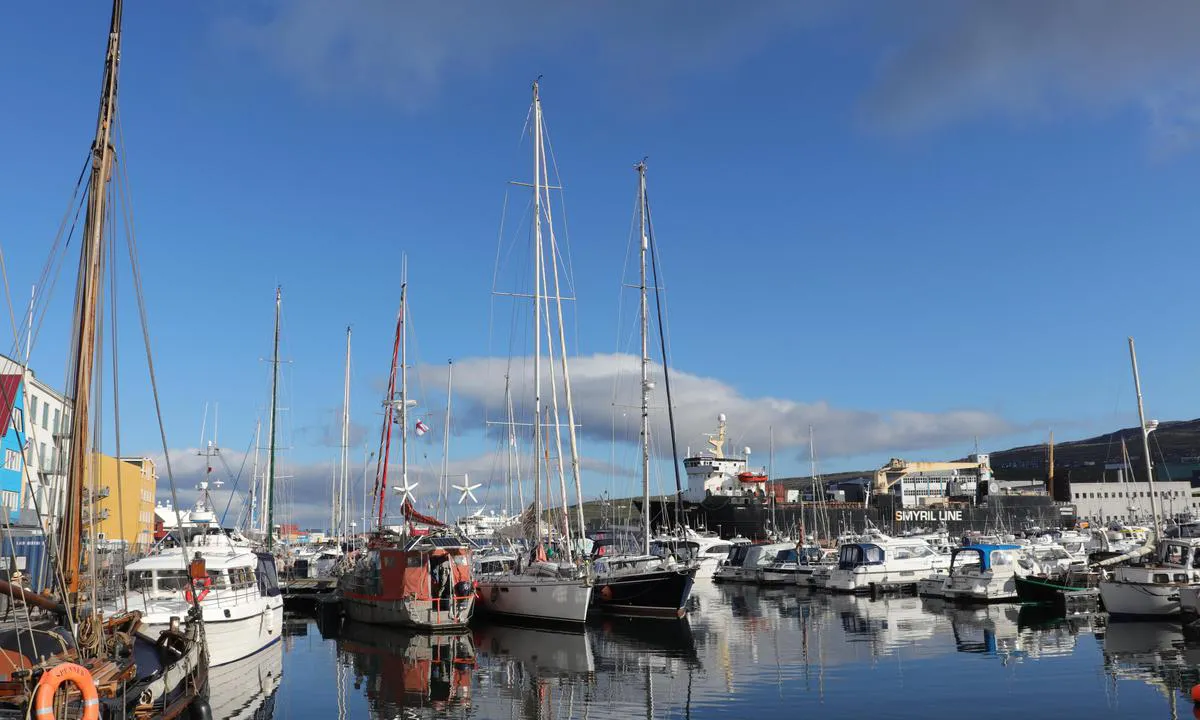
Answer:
(52, 680)
(206, 583)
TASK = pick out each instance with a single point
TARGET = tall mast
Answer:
(537, 314)
(341, 495)
(389, 409)
(271, 425)
(83, 342)
(645, 319)
(255, 495)
(1137, 386)
(403, 382)
(666, 366)
(443, 501)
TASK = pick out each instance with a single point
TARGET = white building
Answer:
(1105, 502)
(44, 429)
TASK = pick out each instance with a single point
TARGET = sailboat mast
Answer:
(403, 386)
(341, 495)
(83, 342)
(255, 495)
(271, 425)
(645, 360)
(1137, 386)
(443, 500)
(385, 442)
(537, 314)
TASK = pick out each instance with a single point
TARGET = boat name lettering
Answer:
(929, 515)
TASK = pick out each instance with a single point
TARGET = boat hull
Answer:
(657, 593)
(410, 613)
(552, 600)
(1126, 599)
(231, 639)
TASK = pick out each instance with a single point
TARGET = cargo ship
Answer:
(725, 495)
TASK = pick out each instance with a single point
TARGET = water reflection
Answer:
(245, 690)
(786, 652)
(403, 671)
(1156, 653)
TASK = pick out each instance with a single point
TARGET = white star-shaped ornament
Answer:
(467, 490)
(406, 490)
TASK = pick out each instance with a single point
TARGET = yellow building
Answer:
(127, 512)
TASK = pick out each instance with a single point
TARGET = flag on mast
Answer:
(422, 428)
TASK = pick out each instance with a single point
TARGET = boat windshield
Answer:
(786, 556)
(851, 556)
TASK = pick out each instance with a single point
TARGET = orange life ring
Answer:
(53, 679)
(606, 593)
(206, 583)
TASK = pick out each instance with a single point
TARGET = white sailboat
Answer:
(543, 590)
(1150, 589)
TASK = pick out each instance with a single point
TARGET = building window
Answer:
(57, 420)
(45, 416)
(42, 456)
(33, 403)
(17, 421)
(12, 460)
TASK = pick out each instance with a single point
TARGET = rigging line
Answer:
(53, 269)
(662, 342)
(236, 478)
(136, 275)
(112, 318)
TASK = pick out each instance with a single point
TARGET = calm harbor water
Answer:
(743, 652)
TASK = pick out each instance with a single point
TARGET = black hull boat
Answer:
(660, 592)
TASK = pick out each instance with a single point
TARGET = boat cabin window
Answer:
(1001, 557)
(241, 578)
(1174, 554)
(787, 556)
(141, 580)
(172, 580)
(1181, 577)
(810, 555)
(1162, 578)
(218, 580)
(908, 552)
(268, 579)
(718, 550)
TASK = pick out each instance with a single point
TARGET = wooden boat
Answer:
(64, 656)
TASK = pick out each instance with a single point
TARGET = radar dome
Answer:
(721, 417)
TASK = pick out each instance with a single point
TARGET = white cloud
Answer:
(404, 51)
(949, 61)
(304, 490)
(605, 386)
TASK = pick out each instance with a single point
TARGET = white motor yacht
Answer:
(883, 561)
(986, 573)
(755, 558)
(237, 590)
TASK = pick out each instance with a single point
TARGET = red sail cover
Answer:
(411, 514)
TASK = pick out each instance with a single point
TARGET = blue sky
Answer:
(905, 226)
